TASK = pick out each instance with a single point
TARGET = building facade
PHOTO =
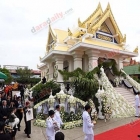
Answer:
(12, 69)
(95, 38)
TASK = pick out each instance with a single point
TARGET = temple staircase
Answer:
(127, 94)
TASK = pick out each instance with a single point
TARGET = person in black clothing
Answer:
(4, 111)
(22, 92)
(59, 136)
(27, 123)
(13, 122)
(4, 136)
(0, 99)
(8, 100)
(15, 101)
(19, 112)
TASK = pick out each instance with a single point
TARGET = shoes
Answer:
(137, 116)
(28, 136)
(18, 129)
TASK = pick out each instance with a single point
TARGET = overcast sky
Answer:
(21, 46)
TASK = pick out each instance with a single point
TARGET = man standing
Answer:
(52, 126)
(4, 111)
(87, 124)
(57, 116)
(137, 104)
(22, 92)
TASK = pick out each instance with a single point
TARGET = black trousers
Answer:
(20, 119)
(22, 97)
(27, 127)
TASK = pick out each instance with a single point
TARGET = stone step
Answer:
(127, 94)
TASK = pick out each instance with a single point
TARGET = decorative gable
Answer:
(108, 18)
(52, 38)
(105, 29)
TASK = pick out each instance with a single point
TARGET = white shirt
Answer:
(57, 117)
(137, 100)
(87, 124)
(50, 131)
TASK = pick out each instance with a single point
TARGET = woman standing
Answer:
(13, 122)
(27, 111)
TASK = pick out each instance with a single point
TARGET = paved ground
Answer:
(38, 133)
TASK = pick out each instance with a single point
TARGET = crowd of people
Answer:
(12, 110)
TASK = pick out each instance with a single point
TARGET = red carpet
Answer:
(126, 132)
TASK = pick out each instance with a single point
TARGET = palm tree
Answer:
(84, 83)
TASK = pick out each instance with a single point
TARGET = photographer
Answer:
(4, 136)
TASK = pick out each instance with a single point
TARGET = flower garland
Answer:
(119, 105)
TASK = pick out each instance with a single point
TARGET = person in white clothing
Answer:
(57, 115)
(52, 126)
(88, 124)
(137, 104)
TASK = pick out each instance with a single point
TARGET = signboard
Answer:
(104, 37)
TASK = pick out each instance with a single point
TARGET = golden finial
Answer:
(124, 38)
(79, 22)
(136, 50)
(108, 5)
(69, 32)
(99, 5)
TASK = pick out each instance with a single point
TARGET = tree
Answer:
(24, 75)
(7, 73)
(84, 83)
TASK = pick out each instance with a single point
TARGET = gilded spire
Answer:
(52, 32)
(136, 50)
(69, 32)
(99, 6)
(95, 14)
(108, 6)
(79, 22)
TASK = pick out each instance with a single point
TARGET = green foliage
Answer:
(84, 82)
(68, 117)
(136, 79)
(111, 64)
(24, 75)
(7, 73)
(41, 116)
(48, 85)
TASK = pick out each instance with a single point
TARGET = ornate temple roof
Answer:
(99, 29)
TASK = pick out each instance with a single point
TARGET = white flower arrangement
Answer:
(119, 106)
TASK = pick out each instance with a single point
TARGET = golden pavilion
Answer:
(97, 37)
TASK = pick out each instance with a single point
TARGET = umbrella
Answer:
(2, 76)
